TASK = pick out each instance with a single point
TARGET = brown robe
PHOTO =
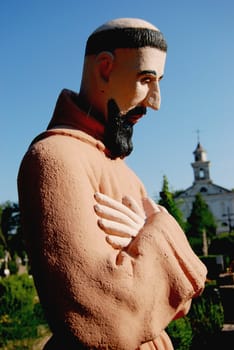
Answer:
(97, 297)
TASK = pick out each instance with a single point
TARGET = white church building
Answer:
(219, 199)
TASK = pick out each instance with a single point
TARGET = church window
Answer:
(201, 174)
(203, 189)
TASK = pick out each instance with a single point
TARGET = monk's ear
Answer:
(104, 62)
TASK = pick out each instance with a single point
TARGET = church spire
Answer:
(201, 165)
(199, 153)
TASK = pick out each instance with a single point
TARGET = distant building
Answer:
(219, 199)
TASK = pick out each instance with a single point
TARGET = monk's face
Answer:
(134, 79)
(133, 85)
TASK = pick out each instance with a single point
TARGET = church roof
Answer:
(205, 189)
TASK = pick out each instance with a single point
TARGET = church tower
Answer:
(220, 200)
(201, 166)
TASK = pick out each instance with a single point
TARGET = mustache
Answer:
(136, 110)
(113, 110)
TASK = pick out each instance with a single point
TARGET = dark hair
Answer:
(111, 39)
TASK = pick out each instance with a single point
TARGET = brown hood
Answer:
(67, 114)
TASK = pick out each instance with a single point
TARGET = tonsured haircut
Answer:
(122, 38)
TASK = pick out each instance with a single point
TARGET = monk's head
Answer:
(124, 63)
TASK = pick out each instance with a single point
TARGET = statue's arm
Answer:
(158, 239)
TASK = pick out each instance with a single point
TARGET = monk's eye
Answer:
(146, 80)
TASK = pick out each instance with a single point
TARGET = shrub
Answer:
(206, 317)
(201, 328)
(223, 244)
(20, 312)
(180, 332)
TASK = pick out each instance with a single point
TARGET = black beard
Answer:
(119, 130)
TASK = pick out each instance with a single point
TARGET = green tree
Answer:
(200, 219)
(11, 233)
(200, 224)
(167, 201)
(2, 238)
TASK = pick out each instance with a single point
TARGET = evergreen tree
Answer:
(2, 237)
(167, 201)
(10, 228)
(200, 219)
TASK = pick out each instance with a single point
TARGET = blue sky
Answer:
(42, 46)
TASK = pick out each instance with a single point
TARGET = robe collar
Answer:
(68, 113)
